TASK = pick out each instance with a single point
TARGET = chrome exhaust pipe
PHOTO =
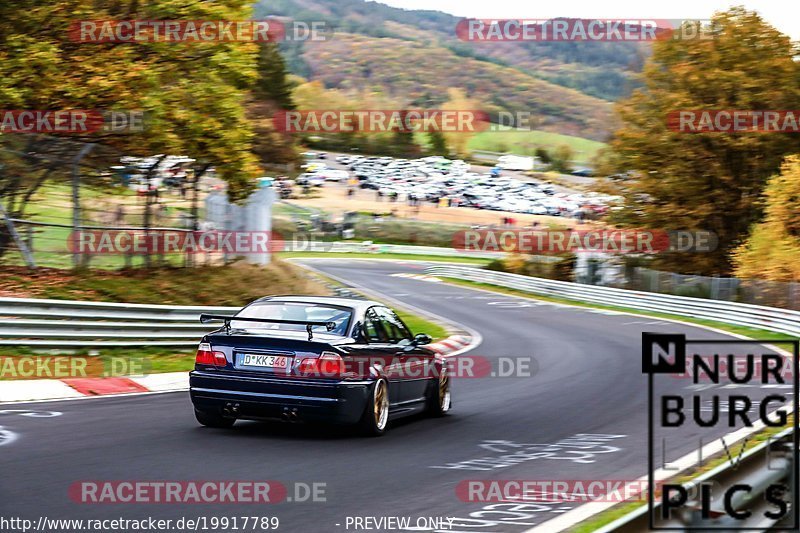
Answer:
(285, 416)
(293, 416)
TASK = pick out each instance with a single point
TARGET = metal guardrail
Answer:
(754, 316)
(37, 322)
(43, 323)
(64, 323)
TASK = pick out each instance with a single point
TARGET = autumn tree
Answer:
(706, 181)
(459, 101)
(401, 142)
(273, 83)
(561, 160)
(772, 250)
(437, 142)
(192, 94)
(543, 155)
(313, 95)
(272, 93)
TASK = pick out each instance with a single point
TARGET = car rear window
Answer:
(301, 311)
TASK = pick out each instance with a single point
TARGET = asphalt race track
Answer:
(586, 379)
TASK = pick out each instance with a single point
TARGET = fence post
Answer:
(146, 224)
(226, 227)
(715, 288)
(29, 237)
(198, 174)
(195, 223)
(76, 203)
(12, 230)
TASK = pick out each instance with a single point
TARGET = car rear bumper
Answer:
(256, 397)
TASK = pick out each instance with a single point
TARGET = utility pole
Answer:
(149, 194)
(195, 204)
(146, 223)
(76, 203)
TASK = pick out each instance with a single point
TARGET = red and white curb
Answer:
(421, 277)
(451, 345)
(32, 390)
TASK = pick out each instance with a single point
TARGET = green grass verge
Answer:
(418, 324)
(52, 204)
(104, 362)
(526, 142)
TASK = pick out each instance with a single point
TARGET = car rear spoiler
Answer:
(205, 318)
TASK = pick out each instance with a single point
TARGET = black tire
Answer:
(440, 397)
(213, 420)
(376, 413)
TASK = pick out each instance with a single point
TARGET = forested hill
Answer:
(415, 55)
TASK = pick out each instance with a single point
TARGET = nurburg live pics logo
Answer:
(715, 402)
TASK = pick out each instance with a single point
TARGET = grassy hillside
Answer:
(601, 69)
(526, 142)
(420, 74)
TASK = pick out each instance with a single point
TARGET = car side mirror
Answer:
(421, 339)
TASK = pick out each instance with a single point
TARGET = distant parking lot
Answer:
(436, 181)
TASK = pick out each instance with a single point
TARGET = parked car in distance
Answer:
(311, 179)
(330, 174)
(583, 172)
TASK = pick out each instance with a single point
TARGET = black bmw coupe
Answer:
(316, 359)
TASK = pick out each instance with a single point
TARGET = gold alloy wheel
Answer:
(444, 391)
(381, 404)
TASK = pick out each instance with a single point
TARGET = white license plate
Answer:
(280, 362)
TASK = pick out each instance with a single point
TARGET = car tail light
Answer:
(331, 364)
(327, 365)
(205, 356)
(307, 366)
